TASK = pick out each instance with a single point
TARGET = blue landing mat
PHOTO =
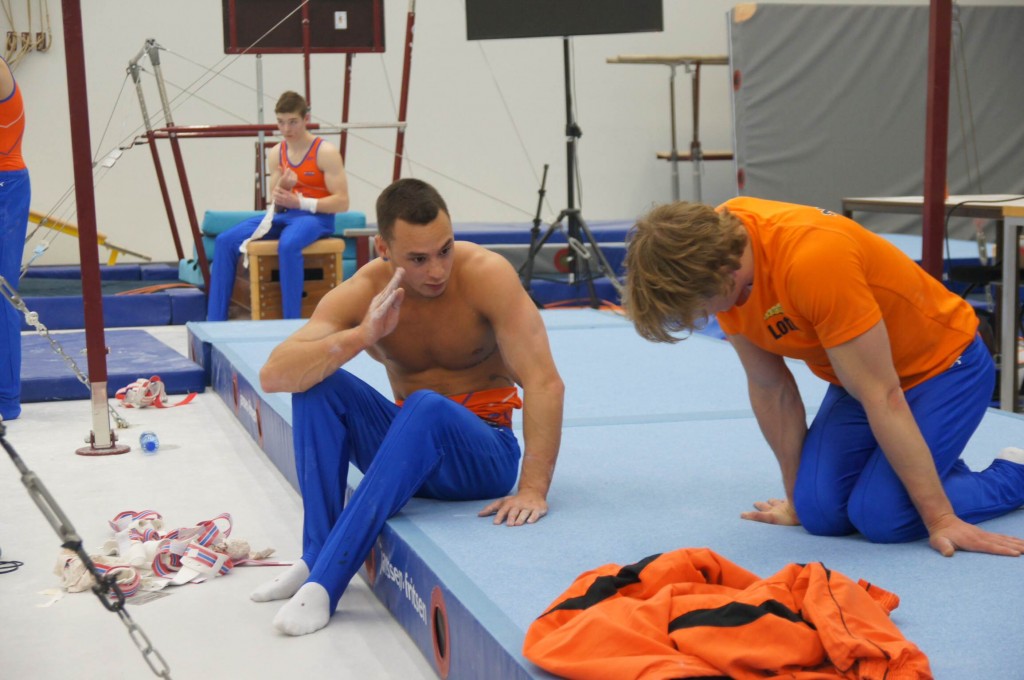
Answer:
(55, 293)
(660, 451)
(170, 307)
(46, 376)
(203, 334)
(153, 271)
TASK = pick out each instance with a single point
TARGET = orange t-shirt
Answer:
(12, 129)
(821, 280)
(691, 613)
(311, 182)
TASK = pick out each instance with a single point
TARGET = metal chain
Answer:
(152, 657)
(105, 586)
(32, 319)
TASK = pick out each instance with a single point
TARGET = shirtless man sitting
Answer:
(456, 332)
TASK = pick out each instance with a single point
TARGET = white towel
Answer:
(261, 231)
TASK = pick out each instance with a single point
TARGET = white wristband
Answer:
(307, 204)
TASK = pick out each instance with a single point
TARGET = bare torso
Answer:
(444, 344)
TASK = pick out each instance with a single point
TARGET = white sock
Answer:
(284, 586)
(1012, 454)
(308, 611)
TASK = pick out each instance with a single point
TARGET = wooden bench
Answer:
(258, 289)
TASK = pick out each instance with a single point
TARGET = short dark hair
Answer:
(410, 200)
(291, 102)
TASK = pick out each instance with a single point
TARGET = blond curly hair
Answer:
(678, 256)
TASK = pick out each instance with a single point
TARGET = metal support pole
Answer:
(672, 121)
(346, 96)
(936, 134)
(404, 97)
(305, 50)
(1009, 315)
(102, 438)
(696, 152)
(165, 195)
(261, 158)
(204, 265)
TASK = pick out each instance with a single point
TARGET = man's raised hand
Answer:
(382, 316)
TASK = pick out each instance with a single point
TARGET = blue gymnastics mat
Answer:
(46, 376)
(660, 451)
(54, 292)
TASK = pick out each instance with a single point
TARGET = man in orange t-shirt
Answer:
(15, 197)
(909, 377)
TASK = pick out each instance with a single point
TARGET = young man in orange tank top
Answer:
(909, 377)
(452, 325)
(309, 187)
(15, 197)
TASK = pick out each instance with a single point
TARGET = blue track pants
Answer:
(431, 447)
(15, 197)
(845, 484)
(303, 229)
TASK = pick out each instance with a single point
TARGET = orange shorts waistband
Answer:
(494, 405)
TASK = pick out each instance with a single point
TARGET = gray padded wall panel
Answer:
(831, 103)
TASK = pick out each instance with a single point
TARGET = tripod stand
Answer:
(583, 246)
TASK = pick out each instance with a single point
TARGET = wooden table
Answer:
(1008, 212)
(991, 206)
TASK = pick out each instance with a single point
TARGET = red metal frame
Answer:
(85, 195)
(102, 440)
(174, 133)
(190, 210)
(936, 148)
(404, 100)
(305, 49)
(343, 142)
(164, 194)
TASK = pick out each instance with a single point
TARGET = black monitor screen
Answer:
(277, 26)
(490, 19)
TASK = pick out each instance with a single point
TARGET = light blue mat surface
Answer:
(661, 451)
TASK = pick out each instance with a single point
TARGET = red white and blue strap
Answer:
(128, 578)
(152, 392)
(172, 548)
(214, 528)
(168, 557)
(182, 555)
(124, 520)
(199, 562)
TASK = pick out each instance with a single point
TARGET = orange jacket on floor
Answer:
(693, 614)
